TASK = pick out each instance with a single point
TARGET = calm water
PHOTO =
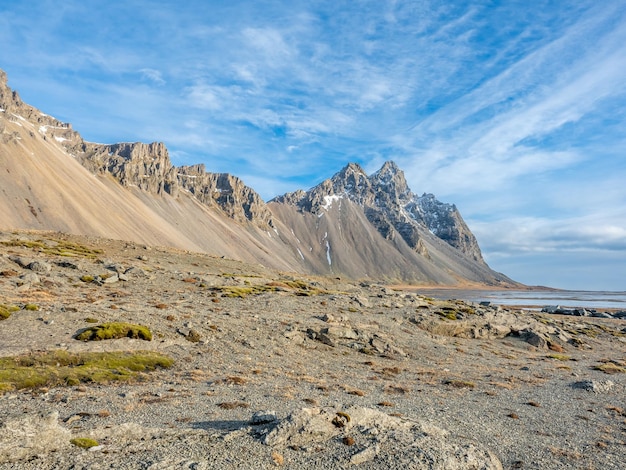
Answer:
(572, 299)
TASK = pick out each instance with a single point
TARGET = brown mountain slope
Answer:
(43, 187)
(343, 241)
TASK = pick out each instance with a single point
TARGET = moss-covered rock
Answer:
(7, 310)
(84, 442)
(114, 331)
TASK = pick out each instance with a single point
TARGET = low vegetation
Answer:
(114, 331)
(7, 310)
(611, 367)
(84, 442)
(460, 383)
(297, 287)
(58, 368)
(55, 247)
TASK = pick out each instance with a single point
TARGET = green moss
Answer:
(559, 357)
(297, 287)
(114, 331)
(87, 278)
(7, 310)
(84, 442)
(62, 368)
(467, 309)
(31, 307)
(91, 320)
(448, 313)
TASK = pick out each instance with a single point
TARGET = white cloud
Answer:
(153, 75)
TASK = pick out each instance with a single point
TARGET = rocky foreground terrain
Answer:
(272, 369)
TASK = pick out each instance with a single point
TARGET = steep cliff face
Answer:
(226, 191)
(445, 221)
(15, 110)
(148, 167)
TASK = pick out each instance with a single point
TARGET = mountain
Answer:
(354, 225)
(51, 179)
(374, 226)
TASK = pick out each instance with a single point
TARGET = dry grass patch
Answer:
(55, 247)
(459, 383)
(386, 404)
(396, 389)
(505, 385)
(232, 380)
(573, 455)
(390, 371)
(610, 366)
(233, 405)
(559, 357)
(278, 458)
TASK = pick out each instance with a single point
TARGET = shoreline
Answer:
(527, 299)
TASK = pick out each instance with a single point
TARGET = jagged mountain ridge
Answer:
(391, 207)
(146, 166)
(383, 233)
(354, 223)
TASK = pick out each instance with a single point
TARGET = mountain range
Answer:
(370, 227)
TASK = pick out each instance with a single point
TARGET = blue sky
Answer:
(514, 111)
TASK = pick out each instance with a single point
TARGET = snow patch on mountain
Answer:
(329, 200)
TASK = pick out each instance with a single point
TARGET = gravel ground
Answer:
(314, 343)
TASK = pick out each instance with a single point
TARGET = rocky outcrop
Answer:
(381, 438)
(14, 109)
(32, 435)
(148, 167)
(445, 221)
(226, 191)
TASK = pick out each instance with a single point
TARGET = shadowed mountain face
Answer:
(355, 225)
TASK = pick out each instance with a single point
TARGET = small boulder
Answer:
(39, 267)
(263, 417)
(595, 386)
(534, 339)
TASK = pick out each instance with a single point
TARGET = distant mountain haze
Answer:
(354, 225)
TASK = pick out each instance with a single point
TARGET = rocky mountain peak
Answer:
(389, 182)
(351, 181)
(391, 207)
(14, 109)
